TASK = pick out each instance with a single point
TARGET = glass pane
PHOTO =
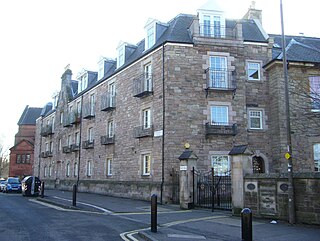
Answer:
(219, 115)
(220, 165)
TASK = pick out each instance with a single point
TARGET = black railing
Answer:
(75, 118)
(66, 149)
(221, 79)
(74, 147)
(47, 130)
(142, 131)
(143, 85)
(88, 111)
(66, 120)
(106, 140)
(221, 129)
(88, 144)
(108, 102)
(216, 31)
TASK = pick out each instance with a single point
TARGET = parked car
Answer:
(2, 185)
(31, 186)
(12, 184)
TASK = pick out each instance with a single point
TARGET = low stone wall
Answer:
(134, 190)
(267, 196)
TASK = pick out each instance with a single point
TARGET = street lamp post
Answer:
(288, 156)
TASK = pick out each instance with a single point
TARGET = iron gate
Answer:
(212, 191)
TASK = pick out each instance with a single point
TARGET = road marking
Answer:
(191, 220)
(128, 236)
(186, 236)
(87, 204)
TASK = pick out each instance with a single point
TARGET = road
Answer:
(23, 218)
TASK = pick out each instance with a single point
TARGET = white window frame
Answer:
(121, 56)
(215, 120)
(146, 164)
(148, 77)
(101, 65)
(316, 157)
(151, 36)
(47, 146)
(89, 168)
(110, 127)
(109, 167)
(50, 170)
(75, 169)
(212, 24)
(252, 114)
(90, 134)
(220, 171)
(61, 117)
(252, 67)
(146, 115)
(112, 93)
(45, 171)
(69, 140)
(77, 138)
(219, 72)
(60, 145)
(79, 107)
(92, 104)
(68, 169)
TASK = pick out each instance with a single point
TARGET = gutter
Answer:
(163, 125)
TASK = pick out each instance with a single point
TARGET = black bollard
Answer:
(246, 224)
(74, 195)
(154, 213)
(42, 189)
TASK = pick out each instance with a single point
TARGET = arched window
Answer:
(258, 164)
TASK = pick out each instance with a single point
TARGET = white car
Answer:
(2, 185)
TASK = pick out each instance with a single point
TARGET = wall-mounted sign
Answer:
(183, 168)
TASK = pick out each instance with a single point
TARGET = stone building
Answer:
(22, 153)
(204, 80)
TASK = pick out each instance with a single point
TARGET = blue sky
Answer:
(40, 37)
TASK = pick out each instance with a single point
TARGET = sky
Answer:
(38, 38)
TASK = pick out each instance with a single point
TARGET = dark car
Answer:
(12, 184)
(31, 186)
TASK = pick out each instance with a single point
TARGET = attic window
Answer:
(82, 81)
(101, 65)
(120, 59)
(150, 41)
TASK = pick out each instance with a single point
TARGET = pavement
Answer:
(174, 224)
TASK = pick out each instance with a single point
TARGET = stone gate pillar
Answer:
(188, 161)
(240, 166)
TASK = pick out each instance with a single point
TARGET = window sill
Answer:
(257, 130)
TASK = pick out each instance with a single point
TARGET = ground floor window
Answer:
(89, 169)
(316, 157)
(146, 159)
(75, 169)
(68, 169)
(109, 167)
(258, 165)
(221, 165)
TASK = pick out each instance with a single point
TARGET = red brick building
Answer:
(21, 154)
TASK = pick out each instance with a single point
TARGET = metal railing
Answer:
(141, 131)
(143, 85)
(47, 130)
(88, 111)
(108, 102)
(217, 31)
(220, 79)
(221, 129)
(106, 140)
(88, 144)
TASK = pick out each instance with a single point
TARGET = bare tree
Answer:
(4, 161)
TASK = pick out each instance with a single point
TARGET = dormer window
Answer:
(101, 66)
(150, 37)
(150, 31)
(82, 80)
(121, 53)
(212, 21)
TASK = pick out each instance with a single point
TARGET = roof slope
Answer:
(29, 116)
(298, 48)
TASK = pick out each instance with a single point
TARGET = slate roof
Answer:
(236, 150)
(29, 116)
(178, 32)
(298, 48)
